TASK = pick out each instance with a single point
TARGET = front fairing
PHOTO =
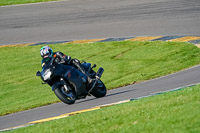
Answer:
(46, 73)
(52, 72)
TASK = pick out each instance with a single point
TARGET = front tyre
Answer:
(66, 97)
(99, 89)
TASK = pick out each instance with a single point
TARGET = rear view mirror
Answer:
(38, 73)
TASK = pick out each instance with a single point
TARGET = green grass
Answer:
(172, 112)
(124, 63)
(15, 2)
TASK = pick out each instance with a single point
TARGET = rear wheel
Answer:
(99, 89)
(66, 97)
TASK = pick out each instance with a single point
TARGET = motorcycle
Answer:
(69, 84)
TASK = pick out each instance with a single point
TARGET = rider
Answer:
(47, 53)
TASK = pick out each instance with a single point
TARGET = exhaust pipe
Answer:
(99, 72)
(98, 76)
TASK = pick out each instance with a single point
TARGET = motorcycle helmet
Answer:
(46, 53)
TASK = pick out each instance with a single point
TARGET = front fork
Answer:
(65, 84)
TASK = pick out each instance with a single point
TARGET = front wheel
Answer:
(66, 97)
(99, 89)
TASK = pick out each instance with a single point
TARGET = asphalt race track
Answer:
(75, 19)
(89, 19)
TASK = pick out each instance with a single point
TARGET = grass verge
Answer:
(124, 63)
(15, 2)
(177, 111)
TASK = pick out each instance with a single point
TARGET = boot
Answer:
(78, 65)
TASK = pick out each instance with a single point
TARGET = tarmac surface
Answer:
(90, 19)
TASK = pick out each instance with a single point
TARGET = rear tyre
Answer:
(99, 90)
(66, 97)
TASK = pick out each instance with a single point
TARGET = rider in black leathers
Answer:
(47, 53)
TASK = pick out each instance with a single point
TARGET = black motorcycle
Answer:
(69, 84)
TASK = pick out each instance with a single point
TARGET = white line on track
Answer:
(35, 3)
